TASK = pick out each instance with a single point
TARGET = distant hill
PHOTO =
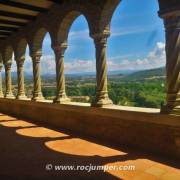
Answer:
(147, 74)
(158, 73)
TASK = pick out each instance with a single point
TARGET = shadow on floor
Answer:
(28, 150)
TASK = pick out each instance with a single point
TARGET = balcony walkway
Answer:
(28, 148)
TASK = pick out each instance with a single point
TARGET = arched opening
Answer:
(14, 75)
(80, 63)
(8, 58)
(136, 55)
(3, 79)
(1, 76)
(48, 72)
(28, 73)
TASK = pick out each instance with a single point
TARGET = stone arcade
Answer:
(101, 119)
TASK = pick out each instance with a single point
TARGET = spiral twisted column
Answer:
(102, 97)
(59, 51)
(37, 93)
(20, 78)
(1, 91)
(8, 93)
(172, 26)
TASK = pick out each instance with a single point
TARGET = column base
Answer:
(37, 98)
(9, 96)
(61, 100)
(102, 102)
(170, 110)
(1, 95)
(21, 97)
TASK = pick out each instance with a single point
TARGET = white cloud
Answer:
(120, 57)
(83, 34)
(80, 66)
(154, 59)
(48, 65)
(130, 30)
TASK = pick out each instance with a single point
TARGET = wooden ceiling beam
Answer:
(56, 1)
(17, 15)
(5, 33)
(23, 6)
(16, 23)
(4, 28)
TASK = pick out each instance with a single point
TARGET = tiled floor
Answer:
(27, 148)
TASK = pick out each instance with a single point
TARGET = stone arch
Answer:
(106, 14)
(61, 34)
(36, 43)
(1, 58)
(20, 48)
(7, 55)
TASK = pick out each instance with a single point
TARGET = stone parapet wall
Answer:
(142, 128)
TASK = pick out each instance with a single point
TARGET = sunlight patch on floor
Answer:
(18, 123)
(76, 146)
(39, 132)
(6, 118)
(144, 169)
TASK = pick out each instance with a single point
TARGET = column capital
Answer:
(36, 56)
(8, 64)
(101, 38)
(172, 23)
(60, 48)
(19, 58)
(20, 61)
(1, 65)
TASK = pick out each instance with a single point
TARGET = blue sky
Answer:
(136, 41)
